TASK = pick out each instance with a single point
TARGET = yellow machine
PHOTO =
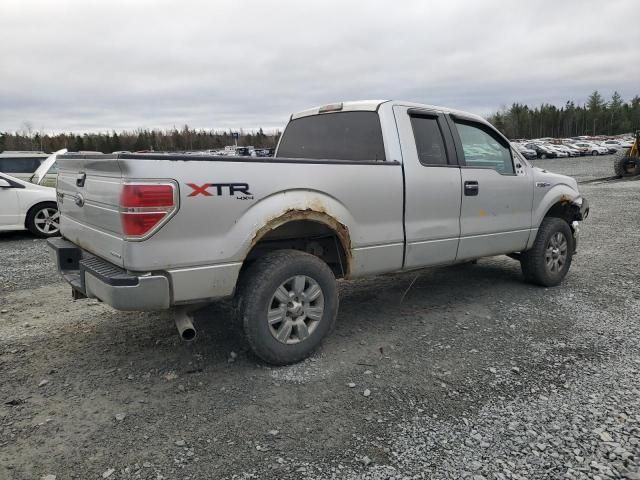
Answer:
(629, 164)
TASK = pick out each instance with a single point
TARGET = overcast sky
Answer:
(87, 65)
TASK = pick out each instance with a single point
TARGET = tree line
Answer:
(143, 139)
(595, 117)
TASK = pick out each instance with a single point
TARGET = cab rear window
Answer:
(355, 136)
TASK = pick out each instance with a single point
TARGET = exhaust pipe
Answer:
(186, 330)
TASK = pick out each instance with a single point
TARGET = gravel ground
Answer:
(474, 374)
(582, 169)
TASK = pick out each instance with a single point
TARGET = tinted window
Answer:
(482, 149)
(19, 164)
(336, 136)
(429, 141)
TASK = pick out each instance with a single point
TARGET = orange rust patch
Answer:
(315, 213)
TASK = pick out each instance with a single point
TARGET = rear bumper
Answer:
(97, 278)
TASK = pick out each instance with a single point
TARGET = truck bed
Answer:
(215, 226)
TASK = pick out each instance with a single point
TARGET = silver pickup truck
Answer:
(355, 189)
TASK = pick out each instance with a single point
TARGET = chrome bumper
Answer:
(94, 277)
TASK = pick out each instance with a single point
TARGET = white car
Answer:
(560, 153)
(617, 144)
(26, 206)
(572, 152)
(593, 149)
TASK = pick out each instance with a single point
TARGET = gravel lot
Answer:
(474, 374)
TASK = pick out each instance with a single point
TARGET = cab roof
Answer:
(373, 105)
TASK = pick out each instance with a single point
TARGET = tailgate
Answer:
(89, 189)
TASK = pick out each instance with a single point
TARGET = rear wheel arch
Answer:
(307, 230)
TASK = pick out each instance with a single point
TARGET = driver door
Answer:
(497, 192)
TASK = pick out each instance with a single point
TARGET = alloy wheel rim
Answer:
(47, 220)
(295, 309)
(556, 253)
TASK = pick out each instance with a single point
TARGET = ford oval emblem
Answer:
(79, 200)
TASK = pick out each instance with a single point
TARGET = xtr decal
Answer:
(220, 189)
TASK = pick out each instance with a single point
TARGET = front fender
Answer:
(558, 194)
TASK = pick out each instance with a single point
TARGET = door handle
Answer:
(80, 179)
(471, 188)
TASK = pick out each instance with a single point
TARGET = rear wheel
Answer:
(626, 167)
(594, 153)
(43, 220)
(549, 259)
(287, 302)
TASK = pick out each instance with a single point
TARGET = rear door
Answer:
(432, 187)
(497, 192)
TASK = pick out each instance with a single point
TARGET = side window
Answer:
(429, 141)
(19, 164)
(484, 150)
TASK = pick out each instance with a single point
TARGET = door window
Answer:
(429, 142)
(483, 149)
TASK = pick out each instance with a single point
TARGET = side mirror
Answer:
(4, 183)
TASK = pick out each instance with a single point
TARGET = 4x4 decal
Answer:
(220, 189)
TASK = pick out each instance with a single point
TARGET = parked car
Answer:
(527, 153)
(571, 152)
(560, 153)
(582, 150)
(593, 148)
(542, 150)
(21, 164)
(338, 200)
(25, 206)
(575, 150)
(264, 152)
(612, 144)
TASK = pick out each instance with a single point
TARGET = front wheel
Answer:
(287, 302)
(43, 220)
(548, 261)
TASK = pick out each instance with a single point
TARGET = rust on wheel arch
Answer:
(315, 215)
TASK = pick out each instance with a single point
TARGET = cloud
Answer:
(102, 65)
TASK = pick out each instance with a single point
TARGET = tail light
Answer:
(145, 207)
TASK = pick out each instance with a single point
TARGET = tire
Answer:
(43, 220)
(275, 298)
(543, 156)
(626, 167)
(548, 251)
(594, 153)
